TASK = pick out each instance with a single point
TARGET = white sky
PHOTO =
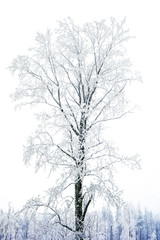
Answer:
(137, 133)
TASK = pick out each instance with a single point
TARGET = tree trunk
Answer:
(78, 210)
(79, 214)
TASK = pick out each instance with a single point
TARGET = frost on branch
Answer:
(78, 76)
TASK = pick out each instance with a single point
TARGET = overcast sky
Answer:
(137, 133)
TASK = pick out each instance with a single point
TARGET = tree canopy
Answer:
(79, 76)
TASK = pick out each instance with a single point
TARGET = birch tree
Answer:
(78, 76)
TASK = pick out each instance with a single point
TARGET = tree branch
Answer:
(86, 208)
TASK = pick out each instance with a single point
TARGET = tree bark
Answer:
(79, 219)
(79, 225)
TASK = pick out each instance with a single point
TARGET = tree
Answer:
(157, 230)
(79, 76)
(140, 225)
(119, 225)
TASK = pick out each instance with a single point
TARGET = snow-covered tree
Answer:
(139, 225)
(157, 230)
(119, 225)
(126, 223)
(149, 225)
(78, 76)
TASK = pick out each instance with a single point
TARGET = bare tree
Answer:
(79, 77)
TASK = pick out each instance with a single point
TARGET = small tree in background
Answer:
(79, 76)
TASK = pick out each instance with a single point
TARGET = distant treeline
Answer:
(125, 223)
